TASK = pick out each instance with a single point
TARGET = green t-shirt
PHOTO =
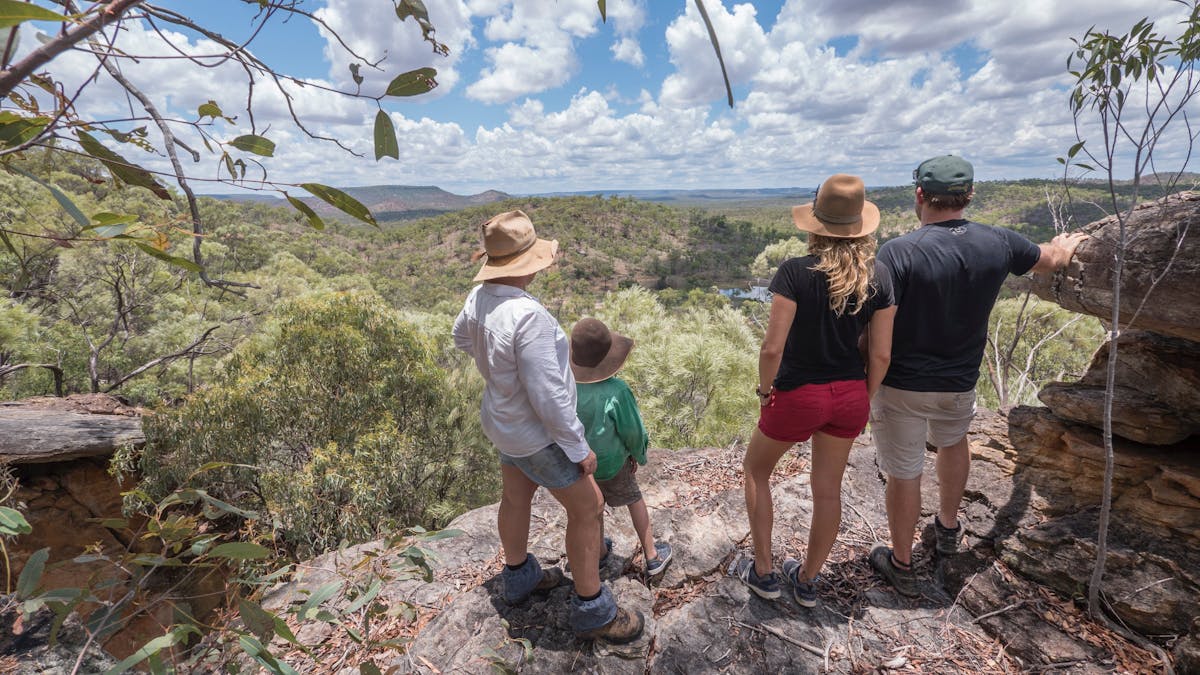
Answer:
(613, 425)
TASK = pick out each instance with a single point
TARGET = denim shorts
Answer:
(549, 467)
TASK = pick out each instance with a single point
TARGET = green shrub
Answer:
(336, 422)
(693, 372)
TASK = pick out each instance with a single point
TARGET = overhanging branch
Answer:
(14, 76)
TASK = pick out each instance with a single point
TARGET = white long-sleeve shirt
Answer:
(525, 358)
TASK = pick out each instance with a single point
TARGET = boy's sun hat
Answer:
(511, 247)
(839, 210)
(597, 353)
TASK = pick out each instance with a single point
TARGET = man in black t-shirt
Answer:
(946, 277)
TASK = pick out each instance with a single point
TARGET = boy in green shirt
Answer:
(614, 430)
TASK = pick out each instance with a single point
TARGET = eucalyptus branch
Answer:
(164, 359)
(12, 77)
(169, 143)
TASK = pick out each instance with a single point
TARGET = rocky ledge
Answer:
(1009, 603)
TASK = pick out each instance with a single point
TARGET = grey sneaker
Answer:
(948, 540)
(805, 592)
(904, 580)
(659, 564)
(765, 586)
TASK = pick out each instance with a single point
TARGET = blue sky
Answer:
(540, 96)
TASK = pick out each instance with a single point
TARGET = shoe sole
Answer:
(621, 640)
(766, 595)
(802, 602)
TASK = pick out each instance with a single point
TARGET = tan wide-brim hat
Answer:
(597, 353)
(841, 209)
(512, 248)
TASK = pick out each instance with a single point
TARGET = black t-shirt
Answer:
(822, 346)
(946, 277)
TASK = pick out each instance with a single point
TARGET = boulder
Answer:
(1157, 486)
(1154, 401)
(1150, 299)
(58, 430)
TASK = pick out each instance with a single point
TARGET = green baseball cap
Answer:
(945, 175)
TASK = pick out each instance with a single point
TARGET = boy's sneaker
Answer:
(948, 540)
(805, 592)
(904, 580)
(656, 566)
(764, 586)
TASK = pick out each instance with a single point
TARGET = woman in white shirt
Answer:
(528, 413)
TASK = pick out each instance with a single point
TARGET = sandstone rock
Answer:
(1155, 485)
(1135, 415)
(1152, 583)
(1155, 397)
(39, 436)
(1169, 307)
(706, 621)
(1187, 651)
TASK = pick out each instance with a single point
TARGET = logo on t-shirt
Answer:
(961, 229)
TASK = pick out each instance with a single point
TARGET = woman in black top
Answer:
(812, 379)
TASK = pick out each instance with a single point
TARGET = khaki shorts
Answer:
(622, 489)
(902, 421)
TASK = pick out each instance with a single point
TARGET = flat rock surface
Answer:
(981, 610)
(46, 429)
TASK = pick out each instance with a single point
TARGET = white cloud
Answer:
(804, 109)
(537, 45)
(627, 19)
(697, 79)
(371, 29)
(628, 51)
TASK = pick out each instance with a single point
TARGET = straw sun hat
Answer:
(839, 210)
(512, 248)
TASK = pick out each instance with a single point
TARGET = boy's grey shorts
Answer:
(549, 467)
(622, 489)
(902, 421)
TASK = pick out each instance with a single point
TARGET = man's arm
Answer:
(1057, 252)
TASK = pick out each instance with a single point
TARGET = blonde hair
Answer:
(849, 264)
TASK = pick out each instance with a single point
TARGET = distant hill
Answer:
(698, 197)
(389, 203)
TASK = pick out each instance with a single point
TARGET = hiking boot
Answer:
(764, 586)
(904, 580)
(625, 627)
(659, 564)
(528, 579)
(948, 540)
(805, 592)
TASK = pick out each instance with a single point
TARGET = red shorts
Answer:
(836, 408)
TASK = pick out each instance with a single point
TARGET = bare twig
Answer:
(768, 630)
